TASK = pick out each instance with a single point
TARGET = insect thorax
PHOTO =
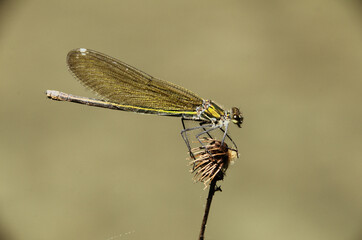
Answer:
(211, 112)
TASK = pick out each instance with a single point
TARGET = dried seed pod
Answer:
(211, 160)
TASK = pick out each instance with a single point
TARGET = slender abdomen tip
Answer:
(52, 94)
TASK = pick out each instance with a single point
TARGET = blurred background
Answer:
(69, 171)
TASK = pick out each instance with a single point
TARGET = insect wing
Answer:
(121, 83)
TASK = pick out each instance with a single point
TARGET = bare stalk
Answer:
(207, 207)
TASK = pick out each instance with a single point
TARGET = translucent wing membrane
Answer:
(120, 83)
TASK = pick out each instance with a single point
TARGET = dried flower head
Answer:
(211, 160)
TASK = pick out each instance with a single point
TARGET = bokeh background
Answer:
(294, 68)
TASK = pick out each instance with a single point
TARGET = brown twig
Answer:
(209, 165)
(207, 207)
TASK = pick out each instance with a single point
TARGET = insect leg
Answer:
(211, 128)
(203, 123)
(185, 138)
(231, 140)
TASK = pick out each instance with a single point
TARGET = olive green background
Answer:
(294, 68)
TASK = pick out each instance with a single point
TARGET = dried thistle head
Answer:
(211, 160)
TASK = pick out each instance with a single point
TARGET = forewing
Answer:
(120, 83)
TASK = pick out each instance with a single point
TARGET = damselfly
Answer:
(123, 87)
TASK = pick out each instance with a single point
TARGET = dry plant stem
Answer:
(212, 189)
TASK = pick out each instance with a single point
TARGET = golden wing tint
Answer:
(120, 83)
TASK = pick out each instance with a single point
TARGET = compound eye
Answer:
(237, 117)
